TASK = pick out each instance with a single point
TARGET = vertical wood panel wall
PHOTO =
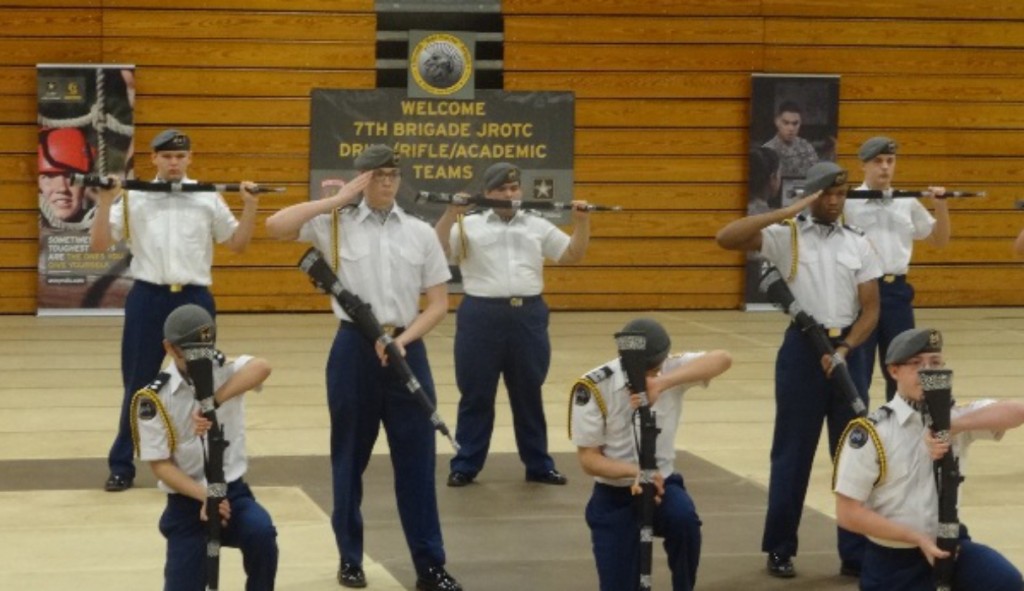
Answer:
(662, 93)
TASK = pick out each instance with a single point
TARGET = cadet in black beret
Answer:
(885, 484)
(502, 322)
(600, 426)
(363, 394)
(171, 264)
(893, 225)
(832, 270)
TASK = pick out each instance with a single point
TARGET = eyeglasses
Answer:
(926, 364)
(391, 175)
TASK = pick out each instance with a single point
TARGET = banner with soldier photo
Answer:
(86, 126)
(444, 145)
(794, 123)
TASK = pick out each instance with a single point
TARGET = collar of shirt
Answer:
(177, 379)
(809, 224)
(364, 211)
(903, 410)
(493, 216)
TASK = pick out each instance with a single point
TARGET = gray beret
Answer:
(190, 325)
(498, 174)
(376, 156)
(875, 146)
(912, 342)
(170, 140)
(824, 175)
(658, 341)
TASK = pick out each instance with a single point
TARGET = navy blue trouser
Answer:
(360, 396)
(250, 529)
(978, 568)
(142, 353)
(895, 315)
(494, 339)
(612, 515)
(804, 397)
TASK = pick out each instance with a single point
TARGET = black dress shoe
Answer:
(850, 568)
(549, 477)
(459, 479)
(118, 483)
(780, 565)
(350, 575)
(437, 579)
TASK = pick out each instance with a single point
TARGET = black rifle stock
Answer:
(937, 385)
(482, 201)
(773, 284)
(632, 347)
(314, 265)
(199, 362)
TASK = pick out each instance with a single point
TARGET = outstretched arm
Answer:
(580, 234)
(998, 416)
(1018, 247)
(745, 233)
(285, 224)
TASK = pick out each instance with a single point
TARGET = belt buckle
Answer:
(515, 302)
(389, 329)
(835, 333)
(175, 287)
(888, 278)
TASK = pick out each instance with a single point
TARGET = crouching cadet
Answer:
(602, 420)
(164, 427)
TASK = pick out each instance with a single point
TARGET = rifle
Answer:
(938, 395)
(456, 199)
(165, 187)
(632, 346)
(314, 265)
(199, 360)
(778, 292)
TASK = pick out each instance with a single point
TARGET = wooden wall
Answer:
(662, 91)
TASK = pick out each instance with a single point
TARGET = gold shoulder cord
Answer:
(335, 229)
(794, 248)
(148, 393)
(463, 241)
(875, 440)
(124, 214)
(594, 391)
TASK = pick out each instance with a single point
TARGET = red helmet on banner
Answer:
(64, 150)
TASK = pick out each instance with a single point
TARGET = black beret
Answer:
(875, 146)
(658, 342)
(824, 175)
(170, 140)
(499, 174)
(376, 156)
(913, 342)
(190, 325)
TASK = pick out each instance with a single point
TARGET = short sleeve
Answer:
(587, 420)
(921, 219)
(224, 222)
(857, 467)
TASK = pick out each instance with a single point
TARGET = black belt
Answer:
(891, 278)
(513, 302)
(389, 329)
(171, 287)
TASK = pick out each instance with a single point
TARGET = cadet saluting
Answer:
(832, 271)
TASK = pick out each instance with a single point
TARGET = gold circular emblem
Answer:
(441, 64)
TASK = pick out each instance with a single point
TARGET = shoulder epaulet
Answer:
(879, 415)
(586, 388)
(854, 229)
(146, 406)
(219, 357)
(859, 431)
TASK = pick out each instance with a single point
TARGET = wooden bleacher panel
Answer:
(662, 108)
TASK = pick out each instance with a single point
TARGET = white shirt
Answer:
(178, 399)
(386, 264)
(892, 225)
(506, 259)
(613, 432)
(171, 235)
(908, 494)
(832, 262)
